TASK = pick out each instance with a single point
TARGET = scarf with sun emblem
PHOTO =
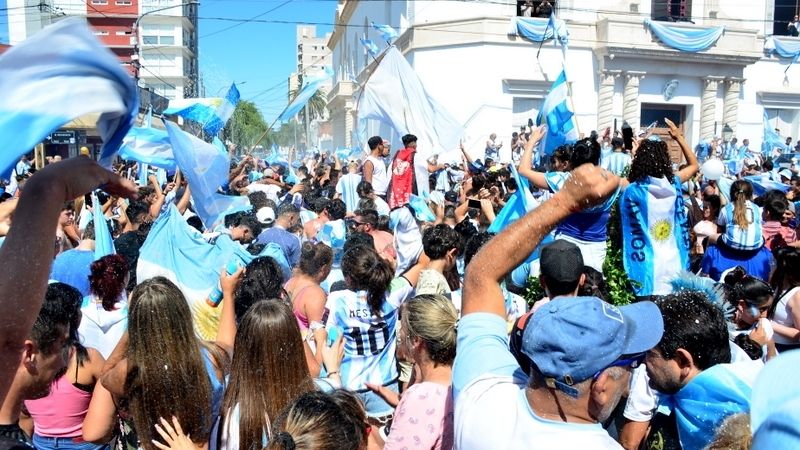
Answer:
(655, 234)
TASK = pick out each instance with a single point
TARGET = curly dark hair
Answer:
(651, 160)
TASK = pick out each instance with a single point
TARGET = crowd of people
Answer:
(399, 314)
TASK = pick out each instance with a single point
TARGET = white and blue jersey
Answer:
(347, 188)
(736, 237)
(617, 162)
(370, 341)
(588, 225)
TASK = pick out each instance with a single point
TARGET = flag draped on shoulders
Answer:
(558, 116)
(177, 251)
(206, 170)
(59, 74)
(655, 234)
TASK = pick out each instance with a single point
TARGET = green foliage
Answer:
(618, 285)
(246, 126)
(533, 291)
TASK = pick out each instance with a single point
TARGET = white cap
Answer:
(786, 173)
(265, 215)
(268, 172)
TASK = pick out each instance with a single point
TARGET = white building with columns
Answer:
(492, 81)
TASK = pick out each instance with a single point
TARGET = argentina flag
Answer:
(206, 170)
(57, 75)
(177, 251)
(148, 145)
(655, 234)
(370, 46)
(212, 113)
(387, 32)
(310, 86)
(558, 117)
(103, 242)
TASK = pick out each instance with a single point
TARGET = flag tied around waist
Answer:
(59, 74)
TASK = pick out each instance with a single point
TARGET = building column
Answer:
(631, 109)
(730, 112)
(605, 99)
(708, 107)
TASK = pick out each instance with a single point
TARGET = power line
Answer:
(246, 20)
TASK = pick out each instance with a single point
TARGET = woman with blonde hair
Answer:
(425, 412)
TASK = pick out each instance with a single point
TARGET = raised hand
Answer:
(589, 186)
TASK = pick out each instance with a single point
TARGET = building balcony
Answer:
(341, 93)
(623, 37)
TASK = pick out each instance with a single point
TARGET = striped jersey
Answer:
(369, 340)
(749, 238)
(616, 162)
(347, 188)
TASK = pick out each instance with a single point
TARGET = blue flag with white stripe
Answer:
(59, 74)
(206, 170)
(103, 242)
(387, 32)
(310, 86)
(558, 116)
(148, 145)
(655, 234)
(372, 49)
(763, 184)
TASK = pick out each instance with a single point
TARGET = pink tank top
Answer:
(302, 320)
(61, 413)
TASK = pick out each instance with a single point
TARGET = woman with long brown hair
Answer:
(306, 295)
(161, 369)
(367, 311)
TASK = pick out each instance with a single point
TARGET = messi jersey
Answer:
(369, 340)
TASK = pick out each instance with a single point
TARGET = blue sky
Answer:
(258, 56)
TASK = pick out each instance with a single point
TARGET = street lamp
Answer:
(727, 133)
(135, 32)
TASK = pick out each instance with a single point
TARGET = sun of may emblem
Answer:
(661, 230)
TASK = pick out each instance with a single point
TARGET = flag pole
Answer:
(544, 38)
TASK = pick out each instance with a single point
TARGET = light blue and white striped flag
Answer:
(212, 113)
(558, 116)
(103, 242)
(57, 75)
(310, 86)
(223, 112)
(206, 170)
(655, 234)
(150, 146)
(372, 49)
(387, 32)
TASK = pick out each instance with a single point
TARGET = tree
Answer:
(316, 107)
(246, 126)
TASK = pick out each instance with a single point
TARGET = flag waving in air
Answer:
(558, 116)
(387, 32)
(57, 75)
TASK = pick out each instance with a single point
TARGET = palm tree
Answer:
(316, 107)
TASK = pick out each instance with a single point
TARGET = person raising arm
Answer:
(30, 245)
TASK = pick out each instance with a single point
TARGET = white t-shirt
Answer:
(491, 409)
(380, 179)
(782, 316)
(272, 190)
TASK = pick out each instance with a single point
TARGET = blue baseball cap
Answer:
(570, 339)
